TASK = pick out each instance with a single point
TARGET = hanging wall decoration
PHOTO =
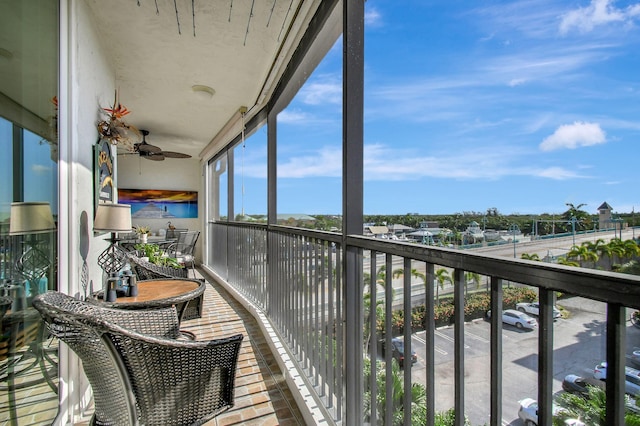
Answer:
(115, 130)
(103, 171)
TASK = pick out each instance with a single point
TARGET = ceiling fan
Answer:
(152, 152)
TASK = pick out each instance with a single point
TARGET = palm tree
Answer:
(581, 216)
(604, 250)
(591, 410)
(533, 256)
(473, 277)
(418, 407)
(567, 262)
(583, 254)
(379, 280)
(631, 249)
(442, 276)
(617, 250)
(625, 250)
(414, 273)
(379, 308)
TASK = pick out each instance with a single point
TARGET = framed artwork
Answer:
(160, 203)
(103, 171)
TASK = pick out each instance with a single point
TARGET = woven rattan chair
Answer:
(138, 372)
(149, 271)
(184, 249)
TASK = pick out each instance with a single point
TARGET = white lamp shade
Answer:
(113, 218)
(31, 218)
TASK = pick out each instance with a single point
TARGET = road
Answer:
(559, 245)
(546, 247)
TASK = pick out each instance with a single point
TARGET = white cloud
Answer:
(571, 136)
(372, 17)
(517, 82)
(599, 12)
(327, 162)
(633, 10)
(288, 116)
(382, 162)
(40, 169)
(324, 90)
(557, 173)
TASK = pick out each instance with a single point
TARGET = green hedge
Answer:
(475, 306)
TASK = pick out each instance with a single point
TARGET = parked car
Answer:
(631, 375)
(533, 308)
(397, 351)
(517, 318)
(635, 358)
(528, 413)
(573, 383)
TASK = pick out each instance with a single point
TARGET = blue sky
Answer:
(520, 105)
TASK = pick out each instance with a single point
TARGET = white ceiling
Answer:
(238, 47)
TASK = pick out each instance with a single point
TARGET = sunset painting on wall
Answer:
(160, 203)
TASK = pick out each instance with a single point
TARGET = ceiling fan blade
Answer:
(153, 156)
(145, 147)
(171, 154)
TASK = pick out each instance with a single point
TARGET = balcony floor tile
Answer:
(262, 397)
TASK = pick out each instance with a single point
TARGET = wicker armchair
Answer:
(138, 372)
(148, 271)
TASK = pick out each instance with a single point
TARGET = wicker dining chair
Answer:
(138, 370)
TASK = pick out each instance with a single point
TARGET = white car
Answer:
(528, 413)
(631, 376)
(519, 319)
(533, 308)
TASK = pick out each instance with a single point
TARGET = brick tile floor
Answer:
(262, 397)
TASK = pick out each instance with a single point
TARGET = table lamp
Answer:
(30, 218)
(112, 218)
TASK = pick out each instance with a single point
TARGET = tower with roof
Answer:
(604, 216)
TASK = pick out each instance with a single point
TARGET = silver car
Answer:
(517, 318)
(533, 308)
(631, 376)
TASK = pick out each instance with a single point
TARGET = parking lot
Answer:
(579, 344)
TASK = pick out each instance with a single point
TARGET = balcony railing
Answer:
(298, 279)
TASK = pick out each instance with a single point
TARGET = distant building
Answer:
(604, 216)
(428, 225)
(376, 231)
(473, 234)
(399, 230)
